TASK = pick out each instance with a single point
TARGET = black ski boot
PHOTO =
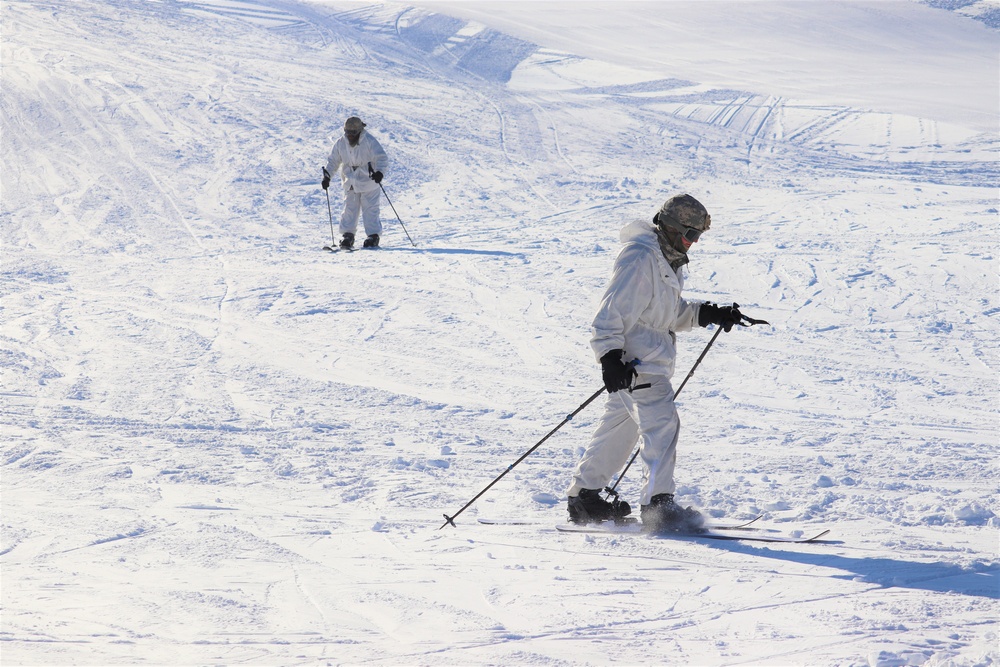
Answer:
(348, 241)
(589, 507)
(371, 241)
(663, 515)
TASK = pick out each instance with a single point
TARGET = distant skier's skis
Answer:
(338, 249)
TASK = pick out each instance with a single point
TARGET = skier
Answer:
(362, 163)
(639, 314)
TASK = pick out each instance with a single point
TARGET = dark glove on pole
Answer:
(617, 375)
(725, 316)
(326, 179)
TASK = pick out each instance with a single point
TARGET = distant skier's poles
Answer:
(333, 238)
(750, 322)
(372, 171)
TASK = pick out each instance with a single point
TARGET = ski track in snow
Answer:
(223, 445)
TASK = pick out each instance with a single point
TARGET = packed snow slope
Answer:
(222, 445)
(892, 55)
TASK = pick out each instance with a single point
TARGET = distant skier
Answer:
(362, 163)
(641, 310)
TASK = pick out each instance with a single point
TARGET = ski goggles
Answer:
(690, 234)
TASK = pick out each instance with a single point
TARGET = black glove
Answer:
(326, 179)
(377, 176)
(617, 374)
(725, 316)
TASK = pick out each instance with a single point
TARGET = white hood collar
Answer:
(639, 231)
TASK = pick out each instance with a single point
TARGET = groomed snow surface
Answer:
(222, 445)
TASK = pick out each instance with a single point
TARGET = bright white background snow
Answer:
(221, 445)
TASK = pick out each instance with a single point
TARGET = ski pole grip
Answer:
(751, 321)
(631, 366)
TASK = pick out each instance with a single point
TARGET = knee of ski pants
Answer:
(370, 213)
(654, 408)
(352, 206)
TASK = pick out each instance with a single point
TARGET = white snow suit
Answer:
(641, 309)
(361, 193)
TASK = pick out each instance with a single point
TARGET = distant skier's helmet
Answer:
(684, 210)
(353, 125)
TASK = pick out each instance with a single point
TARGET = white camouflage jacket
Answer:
(642, 306)
(352, 161)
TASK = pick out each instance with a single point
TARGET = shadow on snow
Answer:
(979, 580)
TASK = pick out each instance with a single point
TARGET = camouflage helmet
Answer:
(353, 125)
(686, 211)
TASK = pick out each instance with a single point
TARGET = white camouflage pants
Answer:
(364, 205)
(647, 416)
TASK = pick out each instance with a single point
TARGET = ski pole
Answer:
(451, 519)
(333, 237)
(750, 322)
(372, 171)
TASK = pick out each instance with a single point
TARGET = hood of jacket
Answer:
(639, 231)
(644, 233)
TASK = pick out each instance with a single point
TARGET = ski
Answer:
(511, 522)
(746, 525)
(712, 533)
(629, 521)
(339, 249)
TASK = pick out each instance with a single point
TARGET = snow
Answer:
(222, 445)
(893, 55)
